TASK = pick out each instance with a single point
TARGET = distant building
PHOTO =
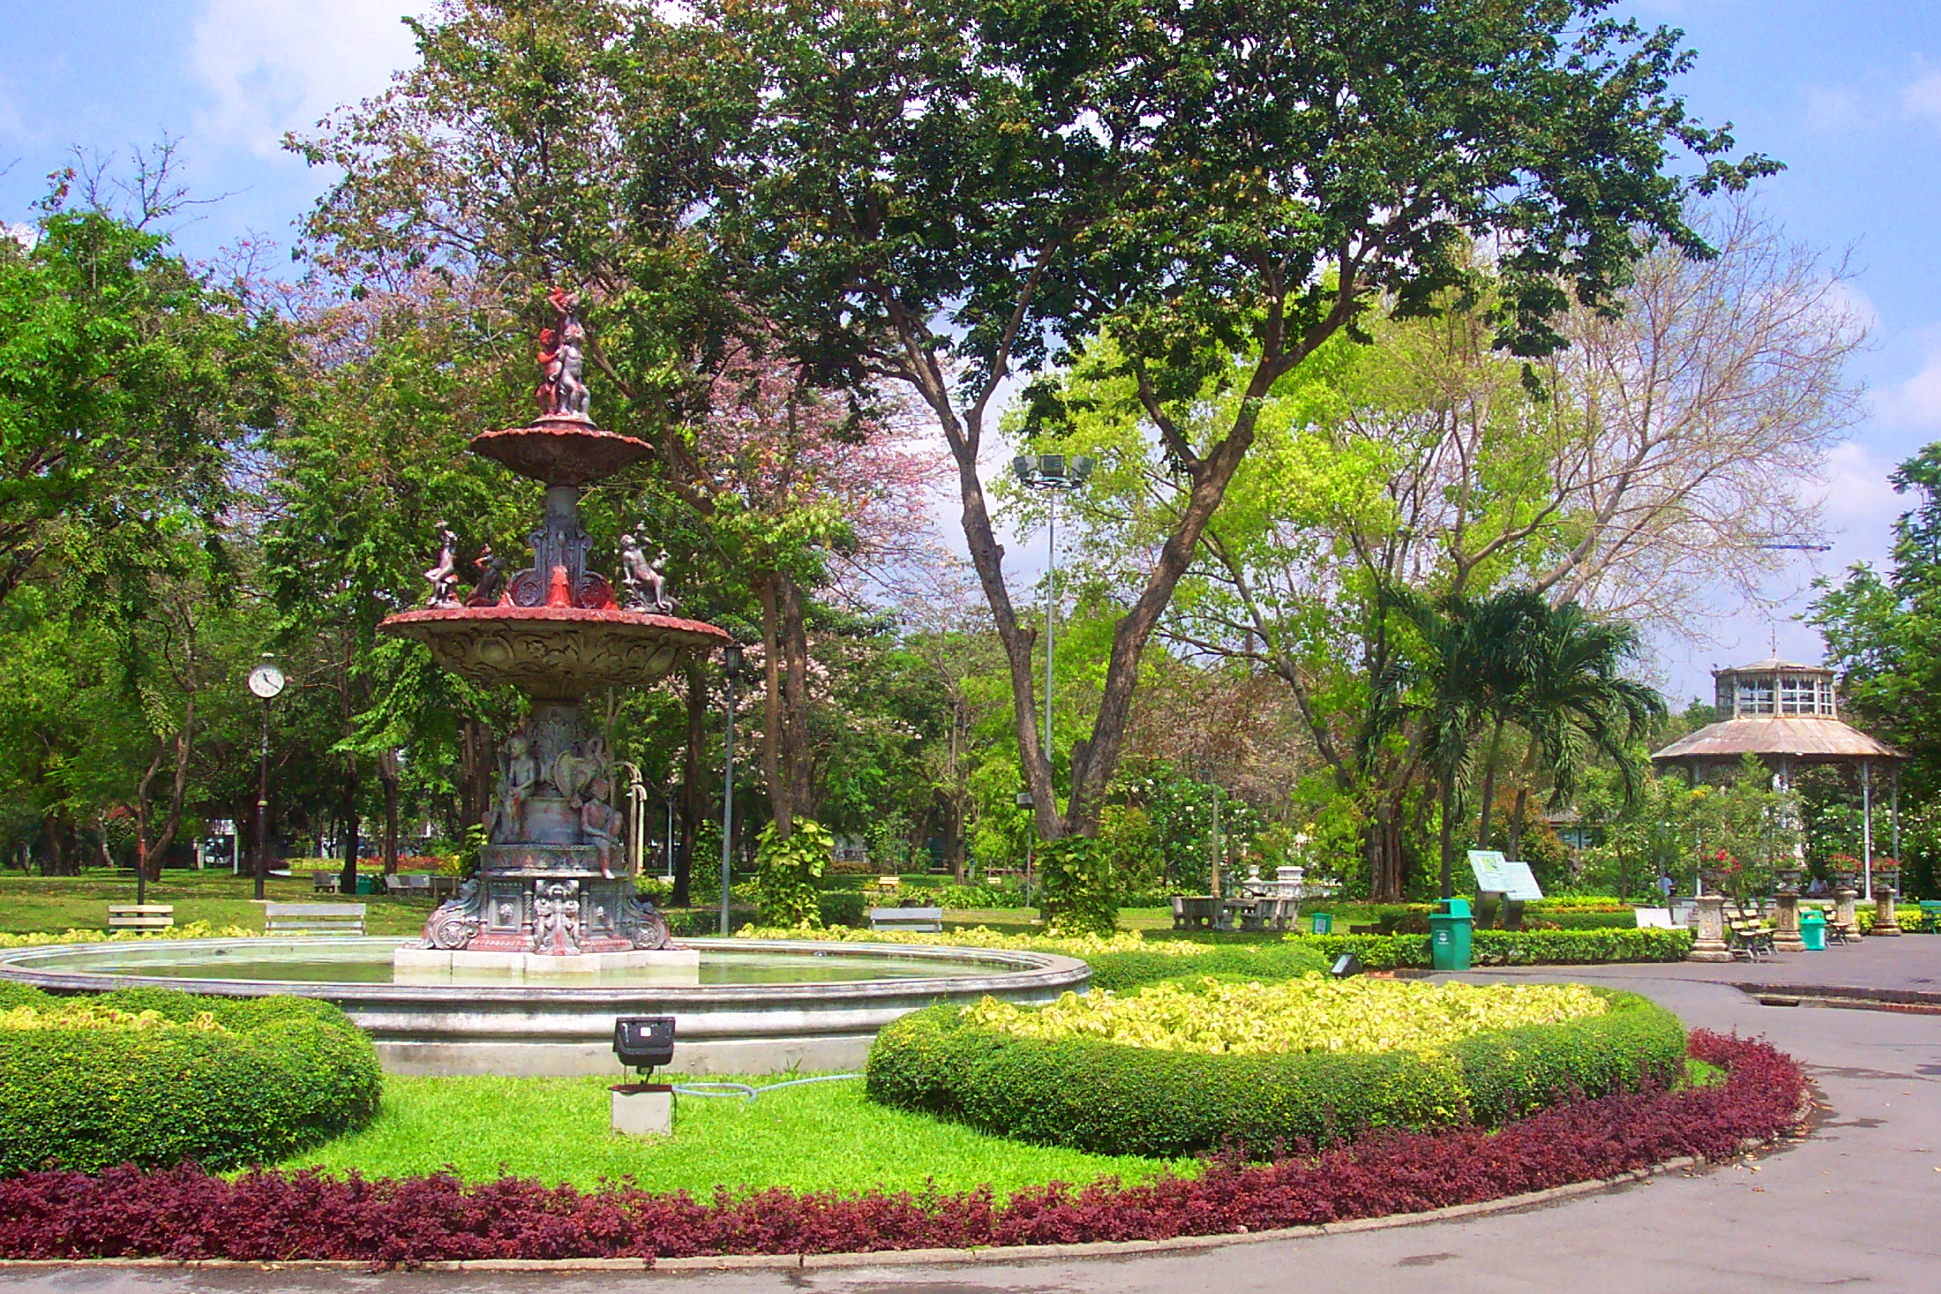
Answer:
(1787, 715)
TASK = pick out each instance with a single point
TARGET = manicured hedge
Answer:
(284, 1073)
(1120, 1100)
(1513, 947)
(1124, 971)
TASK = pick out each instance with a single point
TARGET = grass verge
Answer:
(816, 1137)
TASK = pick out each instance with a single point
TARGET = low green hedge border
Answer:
(1123, 972)
(288, 1072)
(1512, 947)
(1110, 1098)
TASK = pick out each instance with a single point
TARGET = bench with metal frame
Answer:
(141, 916)
(923, 920)
(1746, 935)
(314, 918)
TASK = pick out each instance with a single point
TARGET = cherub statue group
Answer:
(562, 389)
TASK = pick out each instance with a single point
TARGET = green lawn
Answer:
(817, 1137)
(34, 903)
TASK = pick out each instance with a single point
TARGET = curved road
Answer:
(1854, 1205)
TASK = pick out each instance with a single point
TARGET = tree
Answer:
(938, 195)
(1428, 460)
(537, 143)
(1883, 631)
(1466, 665)
(1572, 699)
(125, 379)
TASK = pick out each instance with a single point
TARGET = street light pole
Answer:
(1054, 474)
(731, 667)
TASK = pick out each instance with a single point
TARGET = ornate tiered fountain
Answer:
(482, 992)
(553, 891)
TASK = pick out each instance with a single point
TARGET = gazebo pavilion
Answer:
(1787, 716)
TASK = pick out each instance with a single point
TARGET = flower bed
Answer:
(187, 1213)
(156, 1077)
(1302, 1015)
(1111, 1098)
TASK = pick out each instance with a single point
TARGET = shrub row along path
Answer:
(1852, 1206)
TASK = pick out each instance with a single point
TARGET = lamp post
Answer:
(731, 667)
(265, 681)
(1051, 474)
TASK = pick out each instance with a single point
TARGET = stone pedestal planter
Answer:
(1710, 944)
(1887, 882)
(1843, 898)
(1786, 923)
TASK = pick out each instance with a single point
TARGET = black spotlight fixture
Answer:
(644, 1042)
(1345, 965)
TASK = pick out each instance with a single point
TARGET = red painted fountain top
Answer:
(557, 628)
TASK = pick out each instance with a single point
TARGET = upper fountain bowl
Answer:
(555, 653)
(561, 449)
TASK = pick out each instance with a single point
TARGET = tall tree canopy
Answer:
(941, 194)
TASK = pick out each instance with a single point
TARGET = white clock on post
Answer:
(265, 681)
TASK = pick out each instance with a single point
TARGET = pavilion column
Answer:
(1867, 828)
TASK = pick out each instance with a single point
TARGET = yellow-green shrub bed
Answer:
(1221, 1065)
(1309, 1014)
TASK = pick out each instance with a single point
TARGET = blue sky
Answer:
(1848, 94)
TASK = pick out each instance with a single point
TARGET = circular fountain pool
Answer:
(760, 1005)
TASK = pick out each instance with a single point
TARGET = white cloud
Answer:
(26, 235)
(272, 66)
(1921, 97)
(1858, 494)
(1916, 403)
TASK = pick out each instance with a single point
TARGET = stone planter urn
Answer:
(1887, 884)
(1787, 880)
(1786, 937)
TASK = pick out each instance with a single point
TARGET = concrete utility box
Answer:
(643, 1109)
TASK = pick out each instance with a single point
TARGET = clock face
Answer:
(266, 681)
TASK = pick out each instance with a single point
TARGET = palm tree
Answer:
(1575, 703)
(1467, 665)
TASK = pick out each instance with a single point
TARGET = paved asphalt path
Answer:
(1858, 1204)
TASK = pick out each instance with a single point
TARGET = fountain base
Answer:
(443, 966)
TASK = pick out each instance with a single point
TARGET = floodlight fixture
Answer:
(644, 1042)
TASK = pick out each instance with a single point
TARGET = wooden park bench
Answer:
(141, 916)
(920, 919)
(314, 918)
(323, 882)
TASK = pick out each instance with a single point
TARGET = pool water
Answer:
(322, 960)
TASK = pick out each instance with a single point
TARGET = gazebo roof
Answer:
(1805, 737)
(1773, 664)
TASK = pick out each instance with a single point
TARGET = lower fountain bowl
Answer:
(760, 1006)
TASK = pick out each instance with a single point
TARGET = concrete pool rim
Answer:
(543, 1029)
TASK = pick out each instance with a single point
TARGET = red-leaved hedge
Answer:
(186, 1213)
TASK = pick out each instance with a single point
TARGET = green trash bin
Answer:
(1812, 930)
(1449, 929)
(1320, 923)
